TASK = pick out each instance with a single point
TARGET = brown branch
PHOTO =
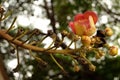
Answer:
(50, 14)
(53, 21)
(19, 43)
(47, 9)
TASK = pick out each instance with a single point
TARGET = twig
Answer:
(51, 14)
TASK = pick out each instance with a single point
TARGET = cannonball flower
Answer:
(84, 24)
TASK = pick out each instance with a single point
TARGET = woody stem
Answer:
(19, 43)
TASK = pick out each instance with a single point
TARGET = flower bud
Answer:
(86, 40)
(76, 68)
(113, 50)
(92, 67)
(93, 40)
(97, 56)
(101, 53)
(108, 31)
(2, 10)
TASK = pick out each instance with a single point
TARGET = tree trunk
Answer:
(3, 73)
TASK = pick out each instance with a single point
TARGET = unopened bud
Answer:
(92, 67)
(64, 33)
(12, 51)
(36, 31)
(86, 41)
(108, 31)
(76, 68)
(113, 51)
(76, 37)
(93, 40)
(97, 56)
(2, 10)
(101, 53)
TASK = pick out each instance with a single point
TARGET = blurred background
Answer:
(55, 15)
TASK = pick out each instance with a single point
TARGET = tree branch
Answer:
(50, 14)
(19, 43)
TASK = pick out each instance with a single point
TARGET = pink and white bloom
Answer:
(84, 24)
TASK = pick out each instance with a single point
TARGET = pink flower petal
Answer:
(79, 17)
(71, 24)
(91, 13)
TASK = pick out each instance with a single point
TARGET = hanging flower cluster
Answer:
(84, 24)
